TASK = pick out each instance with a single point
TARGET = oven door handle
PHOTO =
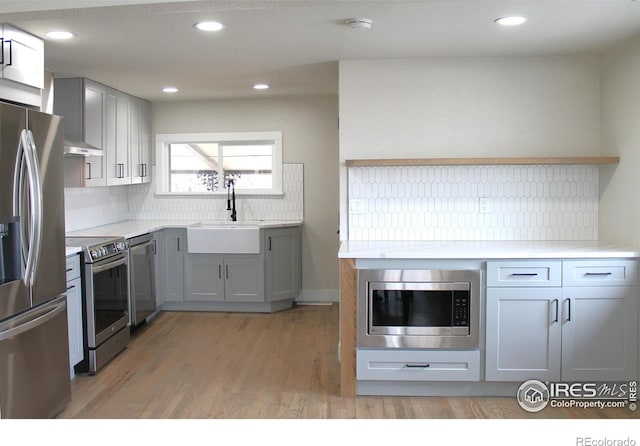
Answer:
(106, 266)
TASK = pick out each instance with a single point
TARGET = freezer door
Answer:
(50, 275)
(34, 362)
(14, 292)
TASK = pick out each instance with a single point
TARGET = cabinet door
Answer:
(140, 130)
(74, 316)
(282, 248)
(94, 123)
(599, 333)
(204, 278)
(523, 334)
(158, 239)
(117, 138)
(23, 56)
(174, 246)
(244, 279)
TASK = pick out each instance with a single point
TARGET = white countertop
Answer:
(363, 249)
(71, 250)
(133, 228)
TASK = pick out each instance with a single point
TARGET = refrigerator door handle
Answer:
(32, 321)
(37, 205)
(24, 169)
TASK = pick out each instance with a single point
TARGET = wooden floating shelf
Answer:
(595, 160)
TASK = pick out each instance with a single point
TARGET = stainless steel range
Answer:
(105, 299)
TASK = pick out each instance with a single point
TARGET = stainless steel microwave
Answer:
(418, 308)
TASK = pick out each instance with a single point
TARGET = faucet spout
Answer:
(231, 201)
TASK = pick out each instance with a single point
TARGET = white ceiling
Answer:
(140, 46)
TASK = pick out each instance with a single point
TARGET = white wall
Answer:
(456, 107)
(309, 128)
(619, 185)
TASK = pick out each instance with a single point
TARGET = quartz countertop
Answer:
(365, 249)
(71, 250)
(133, 228)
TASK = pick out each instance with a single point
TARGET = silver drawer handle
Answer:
(417, 366)
(598, 274)
(525, 274)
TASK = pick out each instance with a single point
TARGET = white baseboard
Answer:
(318, 296)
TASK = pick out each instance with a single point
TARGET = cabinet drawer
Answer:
(417, 365)
(526, 274)
(599, 272)
(73, 267)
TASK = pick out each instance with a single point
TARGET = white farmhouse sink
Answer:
(224, 238)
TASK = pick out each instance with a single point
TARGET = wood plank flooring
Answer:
(185, 365)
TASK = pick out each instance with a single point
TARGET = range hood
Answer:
(79, 148)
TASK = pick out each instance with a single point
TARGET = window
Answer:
(203, 163)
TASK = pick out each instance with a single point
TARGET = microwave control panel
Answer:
(461, 309)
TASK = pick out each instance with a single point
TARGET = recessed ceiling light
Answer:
(359, 23)
(511, 20)
(260, 86)
(169, 90)
(60, 35)
(209, 26)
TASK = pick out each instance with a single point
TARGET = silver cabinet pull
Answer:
(598, 274)
(569, 310)
(89, 175)
(417, 366)
(524, 274)
(557, 304)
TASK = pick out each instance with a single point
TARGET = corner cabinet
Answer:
(263, 282)
(570, 321)
(282, 263)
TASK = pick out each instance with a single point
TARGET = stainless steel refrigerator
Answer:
(34, 346)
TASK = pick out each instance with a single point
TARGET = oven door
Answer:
(107, 299)
(419, 309)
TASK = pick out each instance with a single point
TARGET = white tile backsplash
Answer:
(473, 203)
(94, 206)
(87, 207)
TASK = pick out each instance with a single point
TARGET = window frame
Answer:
(163, 140)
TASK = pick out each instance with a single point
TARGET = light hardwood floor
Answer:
(259, 366)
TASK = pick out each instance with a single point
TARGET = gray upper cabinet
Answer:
(83, 104)
(21, 65)
(110, 120)
(117, 134)
(140, 141)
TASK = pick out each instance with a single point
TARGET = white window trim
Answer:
(162, 159)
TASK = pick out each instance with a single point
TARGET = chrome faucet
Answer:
(231, 202)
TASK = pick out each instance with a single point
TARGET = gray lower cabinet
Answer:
(282, 263)
(159, 262)
(234, 278)
(174, 246)
(74, 311)
(264, 282)
(584, 330)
